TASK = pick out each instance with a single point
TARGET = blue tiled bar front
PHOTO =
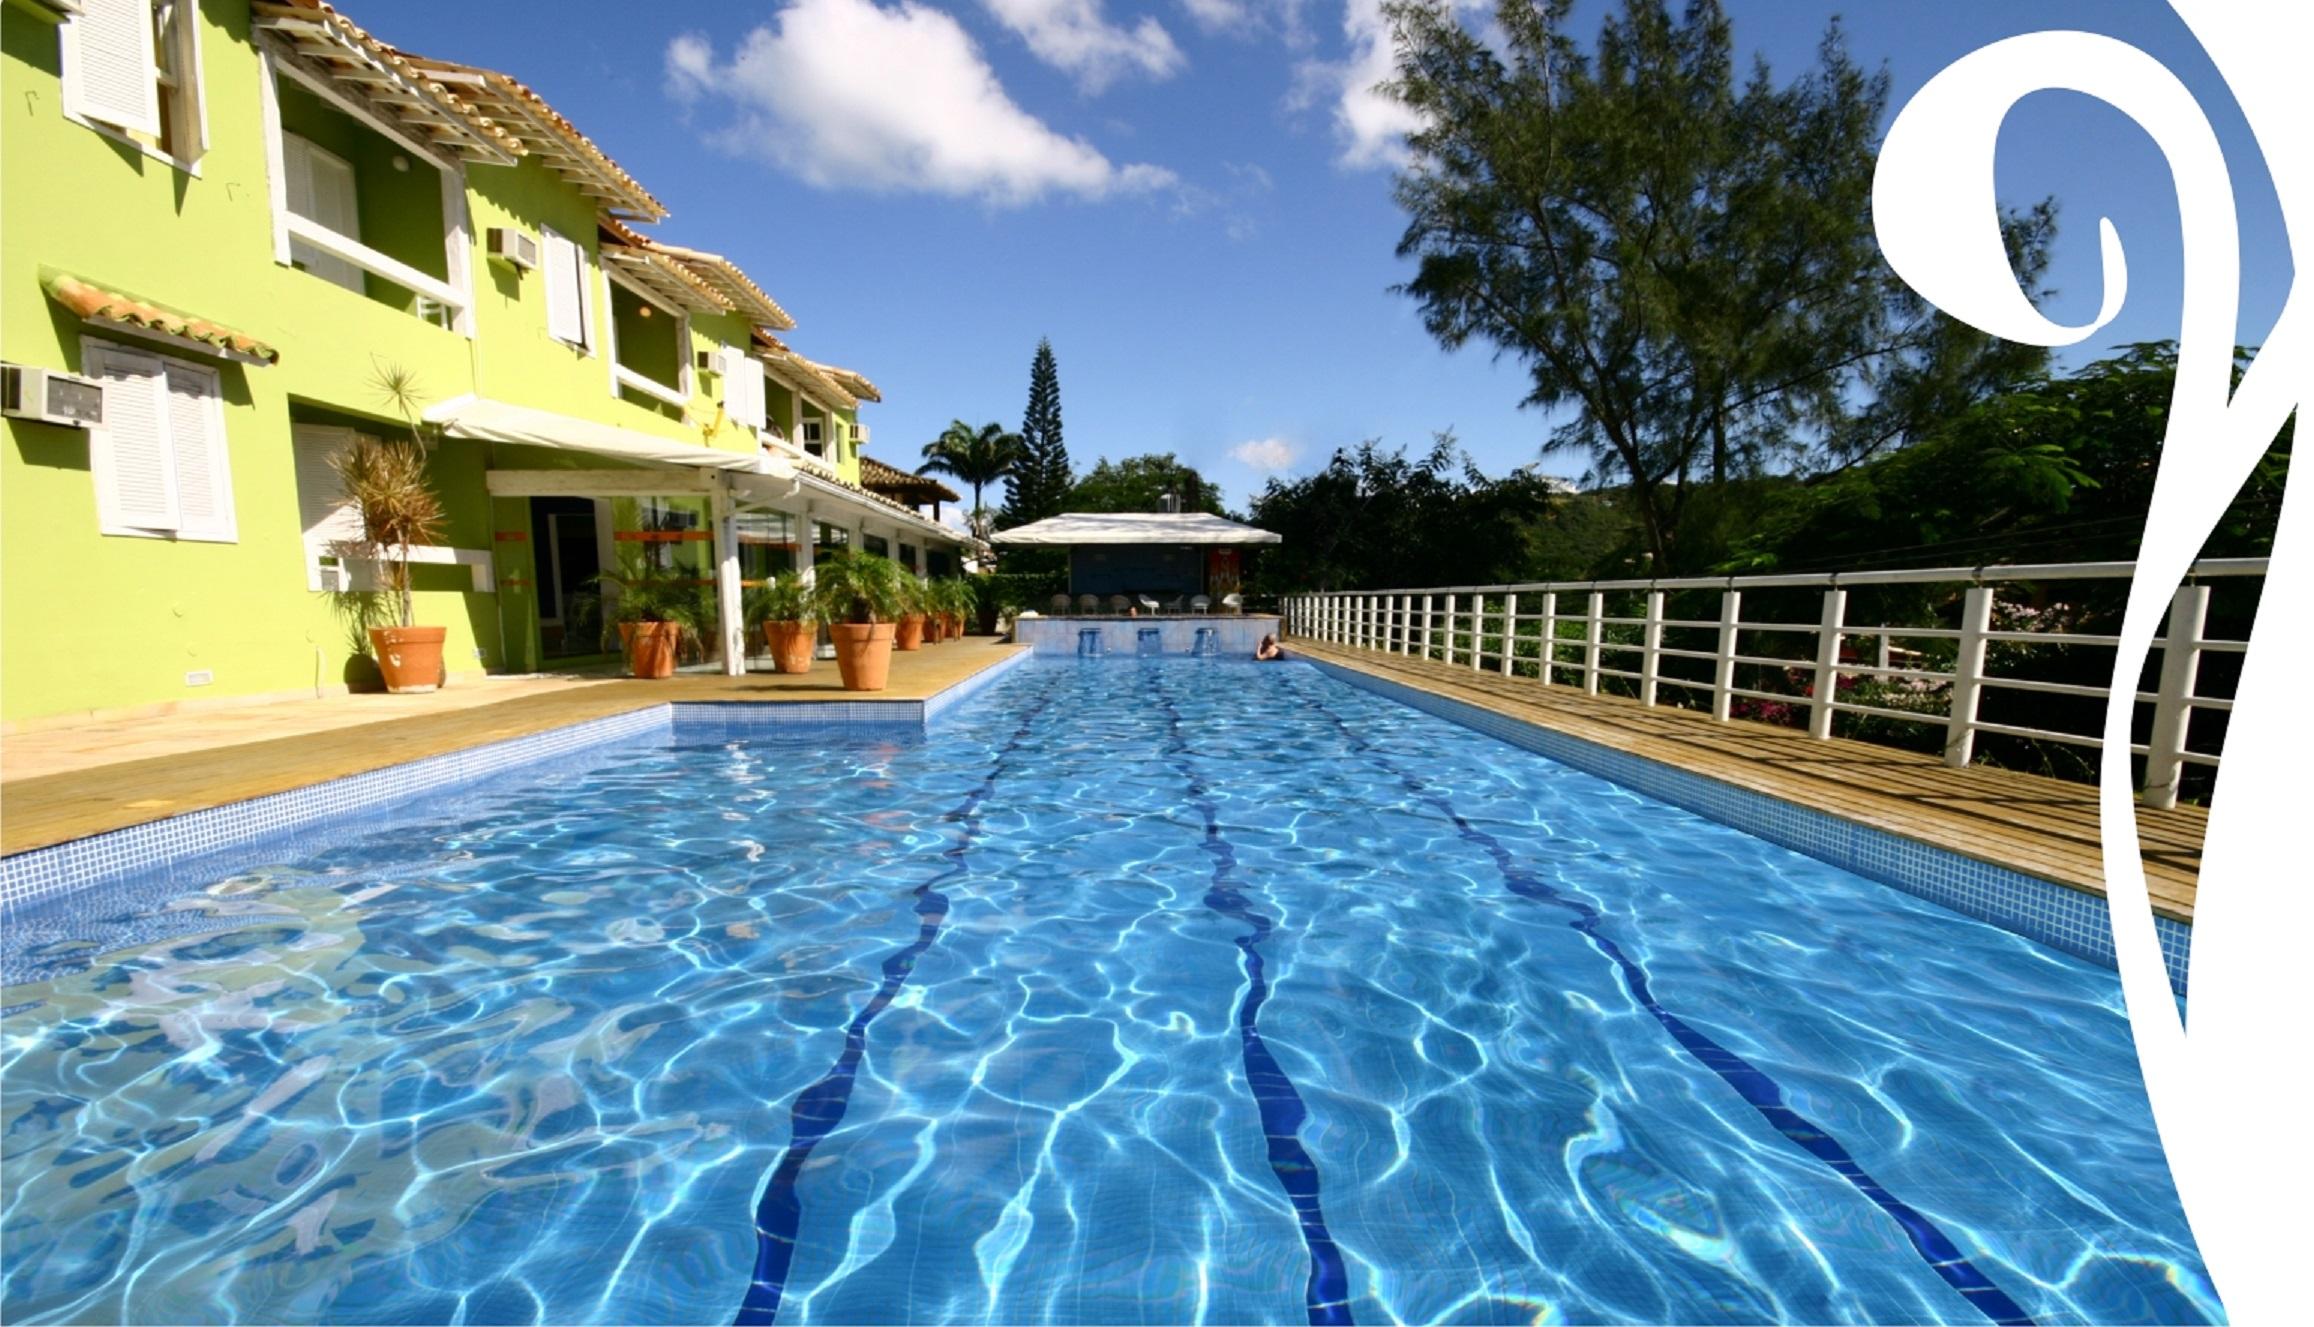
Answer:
(1233, 636)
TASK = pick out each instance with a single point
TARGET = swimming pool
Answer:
(1135, 991)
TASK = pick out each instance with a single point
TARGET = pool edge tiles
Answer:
(2053, 914)
(54, 870)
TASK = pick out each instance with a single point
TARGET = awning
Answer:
(497, 421)
(1138, 527)
(96, 304)
(331, 47)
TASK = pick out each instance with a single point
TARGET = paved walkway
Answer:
(65, 783)
(2039, 826)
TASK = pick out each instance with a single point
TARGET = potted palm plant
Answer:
(956, 600)
(918, 621)
(784, 607)
(657, 616)
(387, 480)
(860, 595)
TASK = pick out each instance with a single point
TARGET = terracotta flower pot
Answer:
(409, 657)
(956, 625)
(863, 654)
(791, 645)
(651, 647)
(908, 632)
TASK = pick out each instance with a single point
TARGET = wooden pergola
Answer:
(899, 485)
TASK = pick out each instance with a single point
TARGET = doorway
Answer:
(570, 604)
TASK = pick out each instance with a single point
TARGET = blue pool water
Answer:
(1138, 990)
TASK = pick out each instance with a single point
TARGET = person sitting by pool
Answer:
(1269, 649)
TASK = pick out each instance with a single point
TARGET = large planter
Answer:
(863, 654)
(955, 627)
(908, 632)
(651, 647)
(935, 629)
(409, 657)
(791, 645)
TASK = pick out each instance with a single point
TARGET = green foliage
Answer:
(785, 599)
(2059, 470)
(1038, 485)
(860, 587)
(1685, 260)
(1140, 483)
(1010, 592)
(978, 457)
(1373, 519)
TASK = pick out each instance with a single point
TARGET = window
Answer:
(743, 397)
(134, 66)
(329, 517)
(908, 556)
(320, 186)
(812, 437)
(563, 266)
(877, 544)
(160, 461)
(828, 540)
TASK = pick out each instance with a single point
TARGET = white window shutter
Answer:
(109, 73)
(328, 515)
(204, 467)
(135, 472)
(319, 186)
(563, 269)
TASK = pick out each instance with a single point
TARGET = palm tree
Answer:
(976, 456)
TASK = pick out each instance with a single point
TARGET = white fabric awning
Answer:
(1151, 527)
(497, 421)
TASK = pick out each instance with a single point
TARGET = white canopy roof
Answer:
(497, 421)
(1134, 527)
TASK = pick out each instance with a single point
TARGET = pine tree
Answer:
(1039, 485)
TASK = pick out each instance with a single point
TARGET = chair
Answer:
(1198, 603)
(1233, 603)
(1173, 604)
(1089, 604)
(1118, 604)
(1061, 605)
(1148, 603)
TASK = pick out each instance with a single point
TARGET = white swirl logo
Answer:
(2228, 1099)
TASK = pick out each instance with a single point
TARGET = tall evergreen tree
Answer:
(1680, 252)
(1038, 486)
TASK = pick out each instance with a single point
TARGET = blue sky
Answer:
(1192, 197)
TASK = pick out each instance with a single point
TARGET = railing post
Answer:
(2181, 658)
(1477, 632)
(1731, 604)
(1881, 652)
(1426, 626)
(1450, 628)
(1592, 629)
(1649, 644)
(1550, 653)
(1827, 688)
(1510, 631)
(1405, 624)
(1968, 671)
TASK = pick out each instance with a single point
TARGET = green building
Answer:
(259, 231)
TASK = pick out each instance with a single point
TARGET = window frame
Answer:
(223, 526)
(180, 133)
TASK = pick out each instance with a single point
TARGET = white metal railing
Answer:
(1485, 626)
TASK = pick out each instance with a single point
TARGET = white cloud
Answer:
(855, 94)
(1268, 455)
(1371, 125)
(1247, 18)
(1075, 37)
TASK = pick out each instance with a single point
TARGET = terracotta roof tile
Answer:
(95, 303)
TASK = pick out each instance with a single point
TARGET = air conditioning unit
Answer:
(51, 397)
(517, 249)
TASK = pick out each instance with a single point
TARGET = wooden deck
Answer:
(213, 758)
(2038, 826)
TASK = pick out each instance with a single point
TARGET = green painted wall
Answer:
(91, 622)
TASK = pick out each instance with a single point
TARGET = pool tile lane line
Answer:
(2058, 915)
(1327, 1293)
(820, 1108)
(1759, 1090)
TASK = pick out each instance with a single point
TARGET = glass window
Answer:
(766, 544)
(908, 556)
(878, 545)
(828, 540)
